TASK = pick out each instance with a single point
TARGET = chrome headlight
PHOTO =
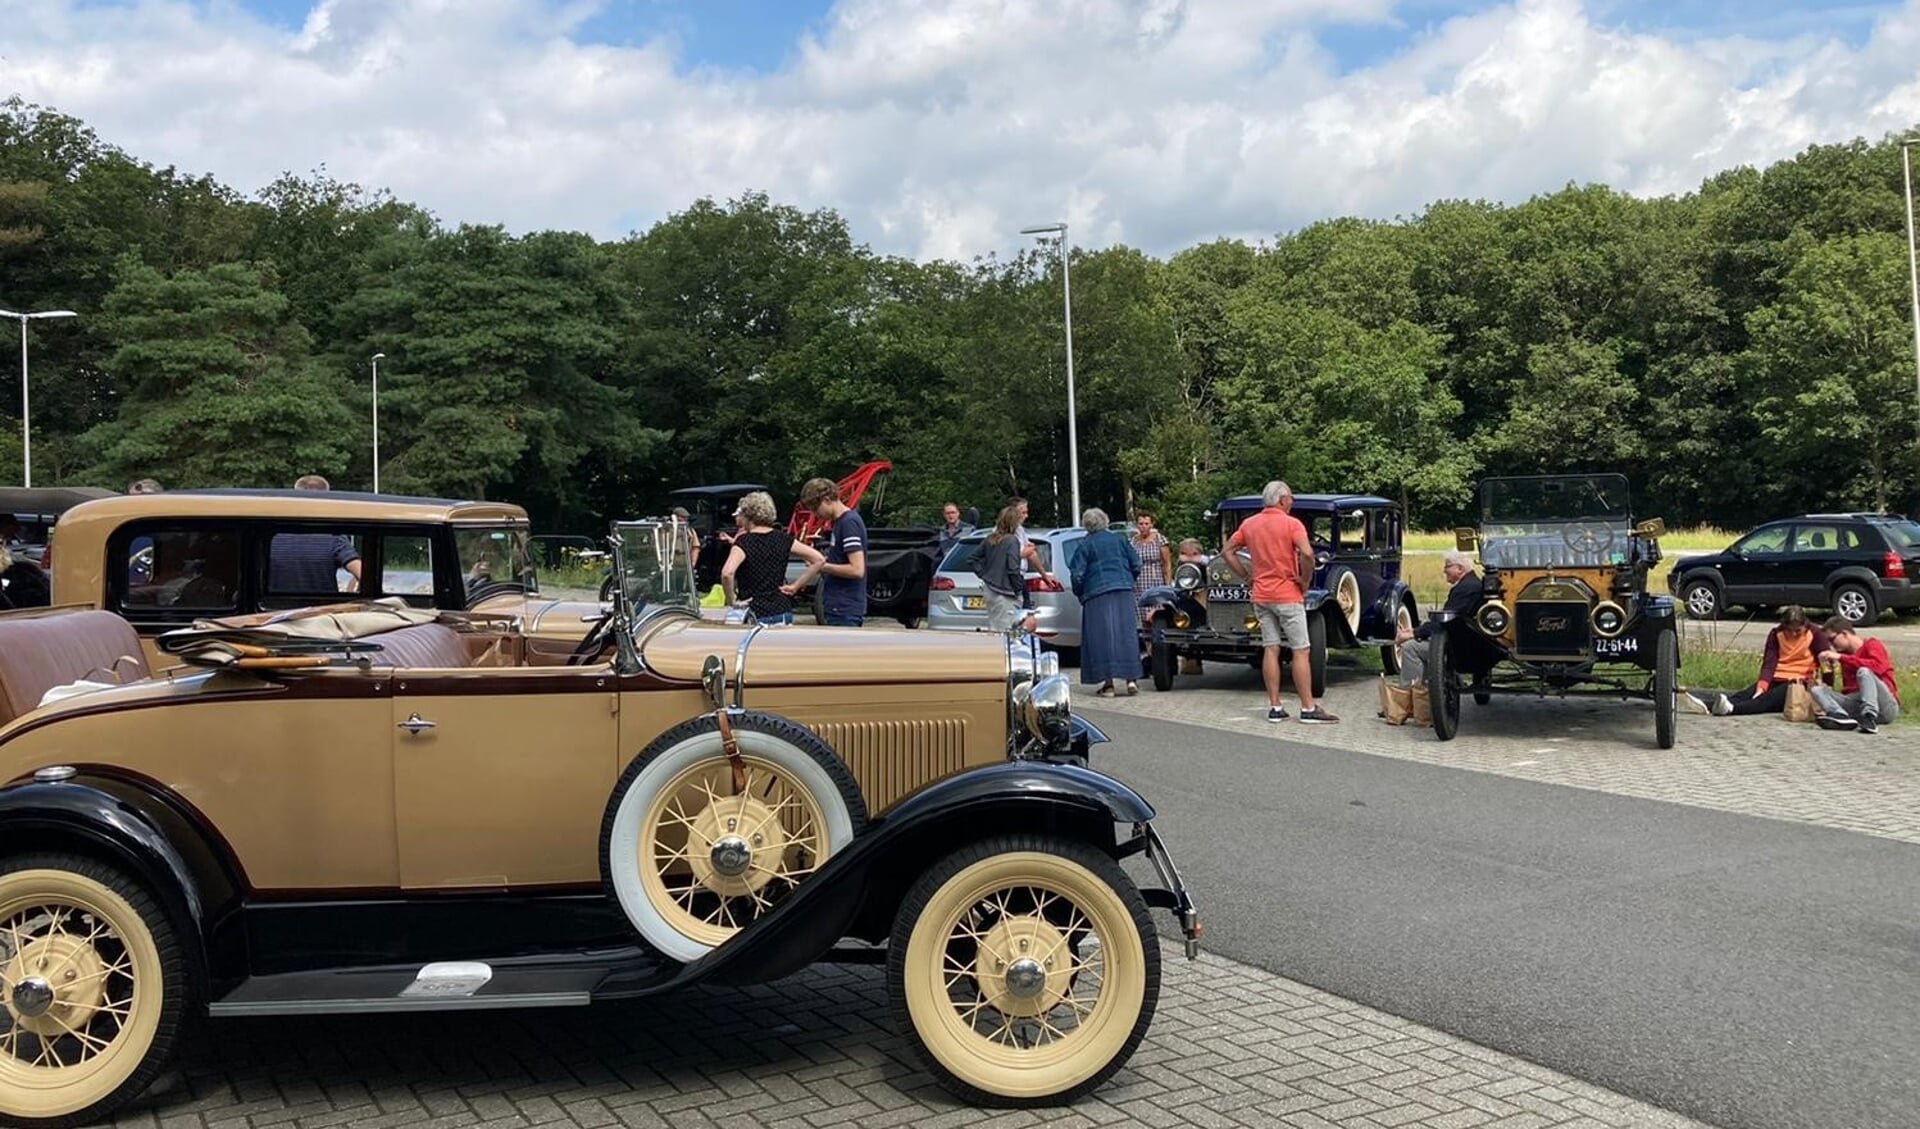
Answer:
(1609, 619)
(1493, 618)
(1187, 577)
(1048, 709)
(1049, 664)
(1020, 664)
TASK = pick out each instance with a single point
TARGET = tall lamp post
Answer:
(26, 401)
(1913, 262)
(1073, 426)
(377, 358)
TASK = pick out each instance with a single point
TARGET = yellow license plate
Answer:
(975, 603)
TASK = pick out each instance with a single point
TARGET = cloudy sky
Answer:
(940, 127)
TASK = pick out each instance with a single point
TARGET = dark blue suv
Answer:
(1858, 564)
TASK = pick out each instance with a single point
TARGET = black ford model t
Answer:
(1356, 598)
(1566, 608)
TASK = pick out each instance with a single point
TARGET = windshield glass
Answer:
(960, 558)
(495, 554)
(1564, 521)
(655, 563)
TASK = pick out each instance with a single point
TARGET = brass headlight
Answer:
(1048, 709)
(1609, 619)
(1492, 618)
(1187, 577)
(1181, 619)
(1253, 623)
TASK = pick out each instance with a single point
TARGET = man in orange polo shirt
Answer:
(1282, 555)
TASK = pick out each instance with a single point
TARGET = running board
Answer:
(443, 986)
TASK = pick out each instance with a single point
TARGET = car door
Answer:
(1815, 552)
(1753, 570)
(501, 775)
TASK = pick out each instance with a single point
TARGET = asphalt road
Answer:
(1745, 972)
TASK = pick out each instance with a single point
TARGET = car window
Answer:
(1386, 531)
(960, 557)
(406, 566)
(196, 570)
(1765, 541)
(494, 555)
(309, 561)
(1823, 538)
(1353, 529)
(1319, 528)
(1903, 534)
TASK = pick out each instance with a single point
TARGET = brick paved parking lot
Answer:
(1753, 766)
(1230, 1046)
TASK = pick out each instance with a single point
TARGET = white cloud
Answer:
(939, 127)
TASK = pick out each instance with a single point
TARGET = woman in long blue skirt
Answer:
(1103, 566)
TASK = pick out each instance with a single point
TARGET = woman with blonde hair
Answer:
(998, 565)
(756, 564)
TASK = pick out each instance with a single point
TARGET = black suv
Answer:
(1857, 564)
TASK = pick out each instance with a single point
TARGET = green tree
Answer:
(217, 386)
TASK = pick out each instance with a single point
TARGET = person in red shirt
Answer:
(1281, 555)
(1867, 695)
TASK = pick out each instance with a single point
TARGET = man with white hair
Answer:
(1463, 599)
(1282, 559)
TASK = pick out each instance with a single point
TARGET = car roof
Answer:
(1309, 502)
(292, 505)
(728, 490)
(1858, 515)
(47, 501)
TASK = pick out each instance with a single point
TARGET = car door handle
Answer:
(416, 725)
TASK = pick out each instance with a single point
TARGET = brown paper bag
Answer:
(1422, 707)
(1799, 703)
(1396, 701)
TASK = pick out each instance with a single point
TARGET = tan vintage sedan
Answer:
(163, 561)
(377, 807)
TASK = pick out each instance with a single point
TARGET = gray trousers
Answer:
(1003, 611)
(1872, 697)
(1413, 662)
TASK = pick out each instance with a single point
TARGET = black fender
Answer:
(1862, 576)
(128, 825)
(1393, 593)
(858, 891)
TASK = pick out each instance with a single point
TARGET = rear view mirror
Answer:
(1466, 539)
(1652, 528)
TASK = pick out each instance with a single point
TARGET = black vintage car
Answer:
(1567, 610)
(33, 512)
(1858, 564)
(1357, 597)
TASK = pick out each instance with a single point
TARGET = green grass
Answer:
(1705, 538)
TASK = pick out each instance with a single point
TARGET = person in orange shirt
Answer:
(1282, 555)
(1792, 655)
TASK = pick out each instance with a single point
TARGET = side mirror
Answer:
(713, 680)
(1466, 539)
(1651, 529)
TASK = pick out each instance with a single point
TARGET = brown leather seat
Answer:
(430, 645)
(41, 650)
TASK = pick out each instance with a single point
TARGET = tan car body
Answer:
(81, 577)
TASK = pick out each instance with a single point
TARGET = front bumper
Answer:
(1171, 894)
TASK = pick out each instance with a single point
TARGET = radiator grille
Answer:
(892, 758)
(1551, 628)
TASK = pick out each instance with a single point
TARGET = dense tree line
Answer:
(1739, 351)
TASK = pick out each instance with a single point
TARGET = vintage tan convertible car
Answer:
(376, 807)
(163, 561)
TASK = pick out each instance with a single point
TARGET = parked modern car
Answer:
(386, 809)
(1858, 564)
(957, 601)
(34, 511)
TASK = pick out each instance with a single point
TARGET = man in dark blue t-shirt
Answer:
(843, 572)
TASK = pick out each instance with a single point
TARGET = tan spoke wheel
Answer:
(84, 985)
(714, 860)
(1346, 595)
(1029, 974)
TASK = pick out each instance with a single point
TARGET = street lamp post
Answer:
(26, 400)
(377, 358)
(1073, 426)
(1913, 262)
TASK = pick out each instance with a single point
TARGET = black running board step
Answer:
(444, 986)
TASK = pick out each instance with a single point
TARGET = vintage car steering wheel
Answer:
(588, 649)
(476, 593)
(1588, 540)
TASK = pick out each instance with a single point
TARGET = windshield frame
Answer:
(1523, 501)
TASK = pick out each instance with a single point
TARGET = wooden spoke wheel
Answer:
(93, 987)
(1390, 654)
(695, 852)
(1024, 970)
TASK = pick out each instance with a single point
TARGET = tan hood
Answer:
(792, 655)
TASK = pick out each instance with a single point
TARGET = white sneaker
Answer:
(1693, 703)
(1722, 706)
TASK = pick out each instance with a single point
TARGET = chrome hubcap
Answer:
(32, 998)
(731, 856)
(1025, 978)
